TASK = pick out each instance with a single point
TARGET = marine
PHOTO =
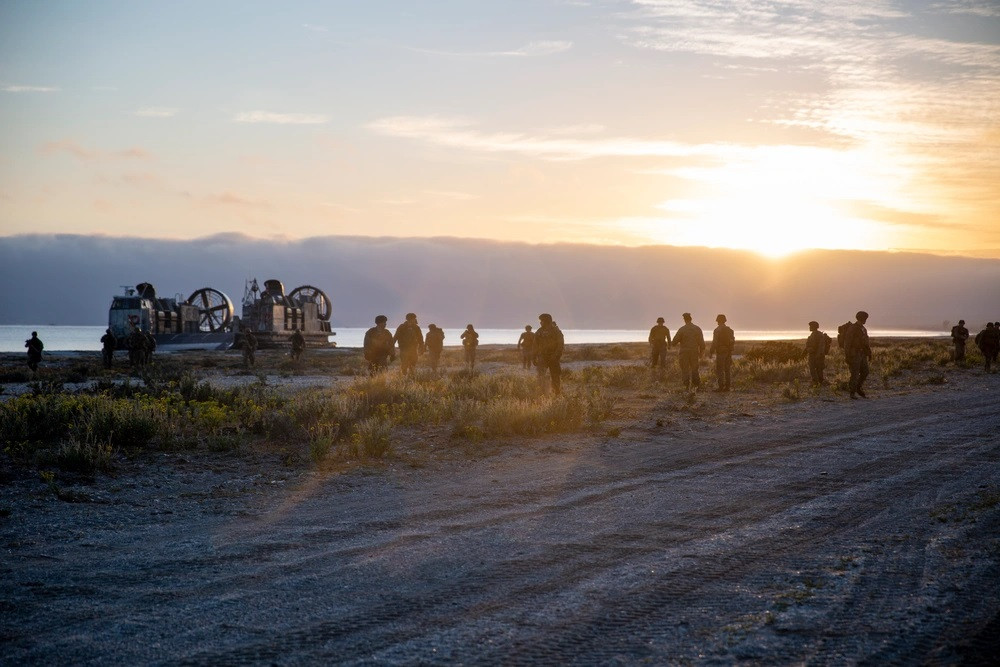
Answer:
(549, 343)
(410, 339)
(435, 345)
(817, 346)
(723, 342)
(858, 353)
(108, 345)
(249, 348)
(988, 342)
(35, 347)
(470, 341)
(378, 346)
(526, 344)
(659, 341)
(691, 342)
(959, 334)
(298, 344)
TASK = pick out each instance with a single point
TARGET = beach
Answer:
(777, 523)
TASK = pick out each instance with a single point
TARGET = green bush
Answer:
(775, 352)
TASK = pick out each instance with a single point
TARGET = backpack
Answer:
(842, 334)
(826, 343)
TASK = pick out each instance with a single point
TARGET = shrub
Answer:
(371, 438)
(775, 351)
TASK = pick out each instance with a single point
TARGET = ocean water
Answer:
(72, 338)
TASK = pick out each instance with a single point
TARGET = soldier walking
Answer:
(410, 339)
(988, 342)
(378, 347)
(108, 345)
(723, 342)
(817, 347)
(249, 348)
(548, 351)
(35, 347)
(149, 346)
(691, 342)
(298, 344)
(858, 353)
(526, 344)
(136, 348)
(435, 345)
(659, 341)
(470, 341)
(959, 335)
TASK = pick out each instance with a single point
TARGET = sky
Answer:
(771, 126)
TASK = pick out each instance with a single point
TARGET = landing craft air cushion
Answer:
(206, 319)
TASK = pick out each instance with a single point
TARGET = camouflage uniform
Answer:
(548, 351)
(691, 341)
(988, 342)
(817, 346)
(470, 340)
(35, 347)
(526, 344)
(435, 344)
(659, 341)
(249, 348)
(298, 345)
(149, 347)
(959, 334)
(723, 341)
(858, 353)
(411, 344)
(108, 345)
(378, 348)
(136, 348)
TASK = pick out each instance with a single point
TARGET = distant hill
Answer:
(69, 279)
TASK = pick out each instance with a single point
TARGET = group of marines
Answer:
(542, 348)
(987, 340)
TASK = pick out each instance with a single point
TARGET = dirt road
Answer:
(835, 532)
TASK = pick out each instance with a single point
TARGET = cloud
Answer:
(231, 199)
(315, 28)
(281, 118)
(88, 154)
(156, 112)
(460, 133)
(28, 89)
(531, 49)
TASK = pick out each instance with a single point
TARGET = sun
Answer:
(776, 201)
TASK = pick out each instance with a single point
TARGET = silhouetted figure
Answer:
(959, 334)
(435, 344)
(136, 348)
(691, 342)
(858, 353)
(108, 345)
(549, 344)
(410, 339)
(659, 341)
(470, 341)
(378, 346)
(526, 344)
(35, 347)
(988, 342)
(817, 347)
(149, 346)
(298, 345)
(249, 348)
(723, 342)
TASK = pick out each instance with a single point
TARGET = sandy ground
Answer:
(820, 532)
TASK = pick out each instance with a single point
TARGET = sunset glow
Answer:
(791, 126)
